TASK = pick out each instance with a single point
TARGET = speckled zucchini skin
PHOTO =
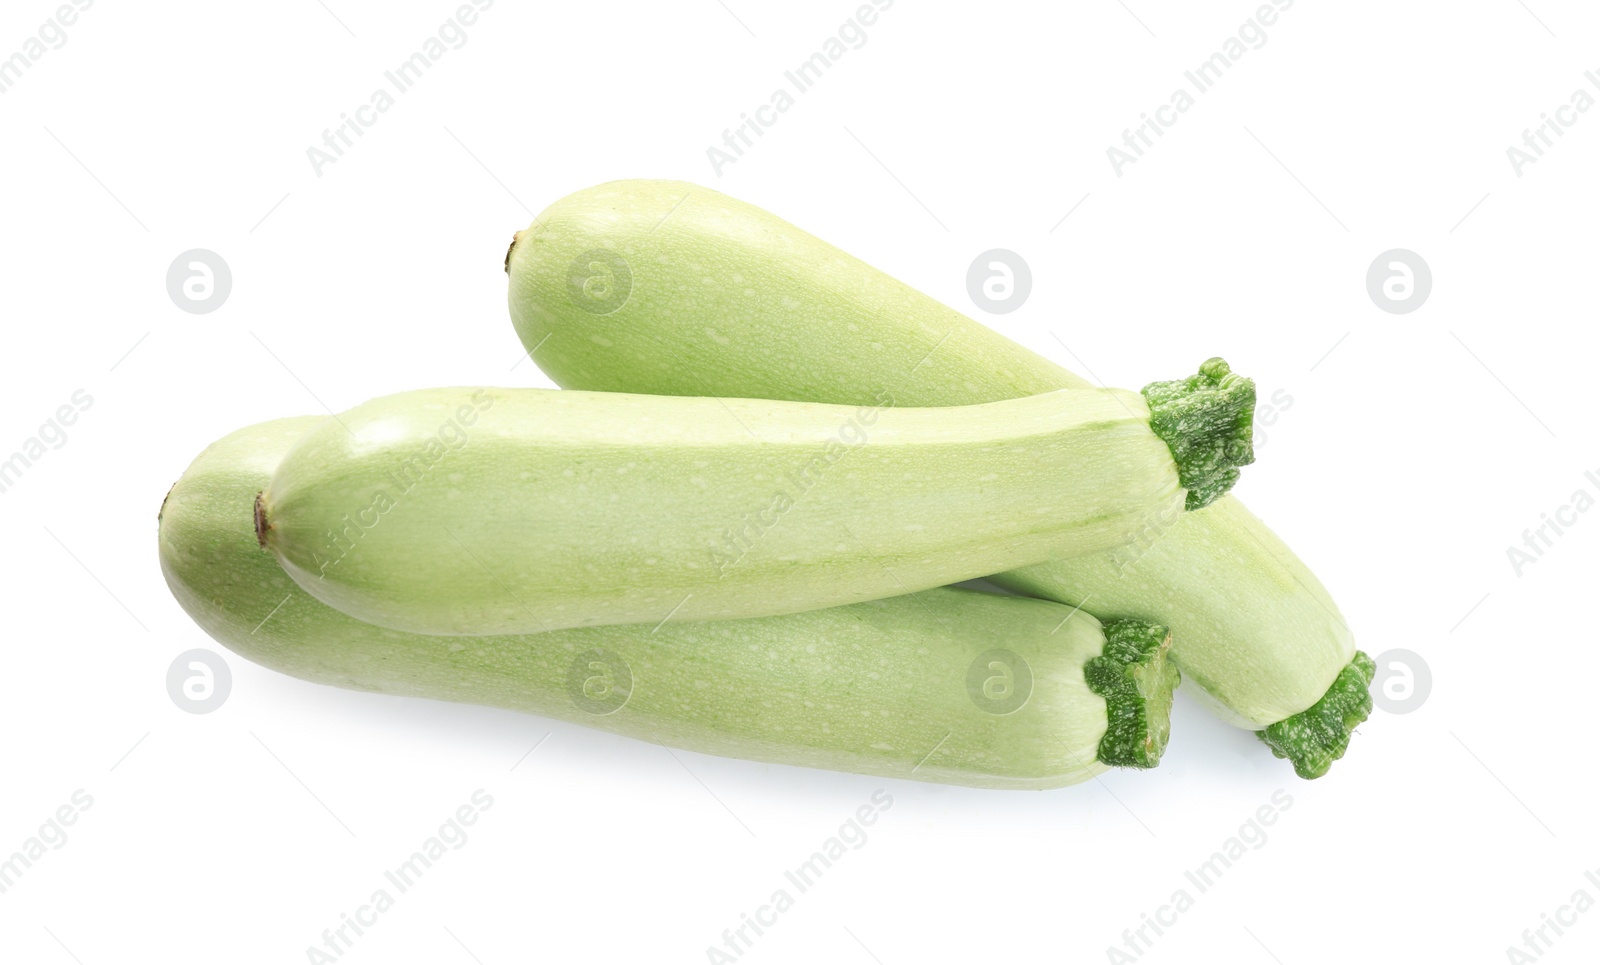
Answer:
(894, 687)
(709, 295)
(557, 509)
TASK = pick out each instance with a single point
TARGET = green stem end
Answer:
(1317, 736)
(1136, 679)
(1207, 422)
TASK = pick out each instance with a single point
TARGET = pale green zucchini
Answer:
(467, 511)
(945, 685)
(669, 288)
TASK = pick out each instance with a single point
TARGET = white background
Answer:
(1417, 448)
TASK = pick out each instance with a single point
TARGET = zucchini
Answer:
(894, 687)
(706, 295)
(469, 511)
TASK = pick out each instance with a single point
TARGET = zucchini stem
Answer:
(1206, 420)
(1136, 679)
(1317, 736)
(510, 248)
(260, 516)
